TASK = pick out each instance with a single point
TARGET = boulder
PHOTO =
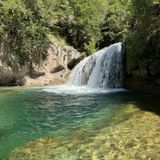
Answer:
(57, 69)
(73, 63)
(36, 74)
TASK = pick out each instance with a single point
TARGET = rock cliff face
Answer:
(51, 71)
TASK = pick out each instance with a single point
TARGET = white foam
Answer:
(74, 90)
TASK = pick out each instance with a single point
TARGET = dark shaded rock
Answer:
(9, 81)
(73, 63)
(36, 74)
(57, 69)
(157, 81)
(157, 9)
(142, 84)
(20, 81)
(17, 81)
(13, 81)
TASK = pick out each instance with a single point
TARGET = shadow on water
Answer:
(146, 102)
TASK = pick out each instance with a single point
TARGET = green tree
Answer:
(79, 21)
(142, 41)
(116, 23)
(22, 33)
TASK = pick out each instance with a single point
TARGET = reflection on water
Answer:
(40, 124)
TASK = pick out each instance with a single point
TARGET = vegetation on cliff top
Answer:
(87, 25)
(22, 30)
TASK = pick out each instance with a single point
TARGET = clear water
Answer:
(61, 112)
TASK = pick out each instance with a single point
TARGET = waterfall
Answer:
(102, 69)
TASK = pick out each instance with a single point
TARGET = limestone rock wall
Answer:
(51, 71)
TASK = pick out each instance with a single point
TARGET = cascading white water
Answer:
(103, 69)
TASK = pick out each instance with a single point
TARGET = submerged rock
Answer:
(38, 149)
(133, 136)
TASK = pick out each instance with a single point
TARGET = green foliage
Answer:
(86, 24)
(115, 26)
(137, 24)
(140, 7)
(24, 25)
(22, 32)
(142, 39)
(79, 21)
